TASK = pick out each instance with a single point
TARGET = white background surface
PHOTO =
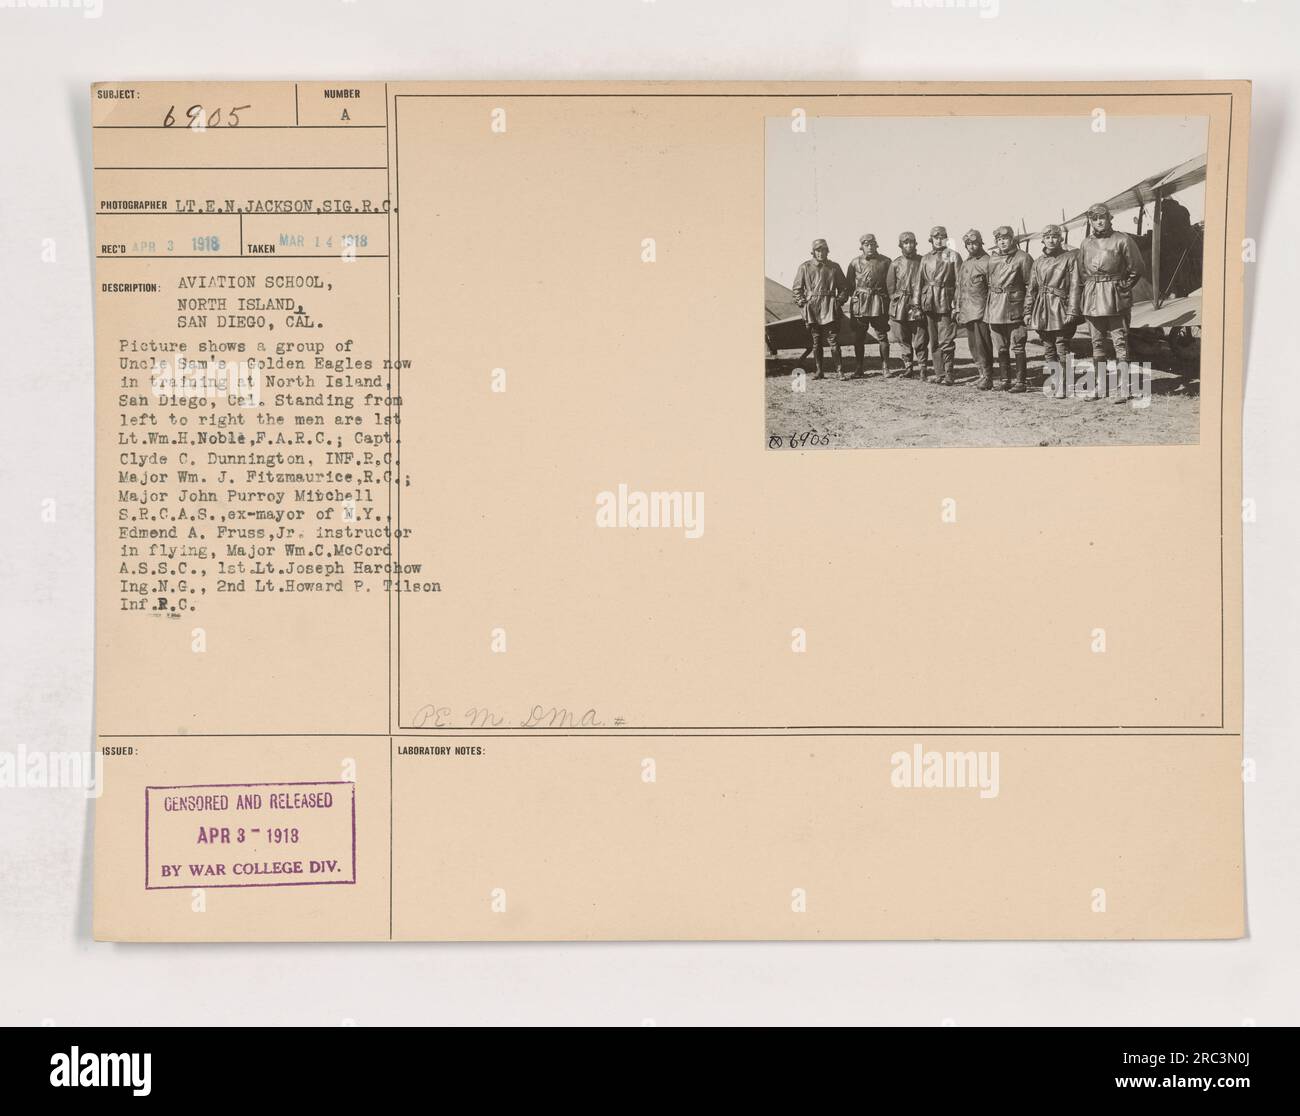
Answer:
(51, 971)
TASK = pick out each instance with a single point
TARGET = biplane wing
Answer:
(1143, 193)
(784, 327)
(1174, 313)
(778, 301)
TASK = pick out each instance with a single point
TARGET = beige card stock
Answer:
(470, 566)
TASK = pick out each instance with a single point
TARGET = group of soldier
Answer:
(996, 296)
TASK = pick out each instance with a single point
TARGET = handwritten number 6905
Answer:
(199, 119)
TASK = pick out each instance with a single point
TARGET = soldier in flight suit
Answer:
(868, 281)
(935, 293)
(1053, 303)
(972, 305)
(1110, 265)
(904, 313)
(819, 288)
(1009, 274)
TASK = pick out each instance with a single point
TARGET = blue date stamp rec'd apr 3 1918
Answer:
(250, 835)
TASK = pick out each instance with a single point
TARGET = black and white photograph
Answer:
(983, 281)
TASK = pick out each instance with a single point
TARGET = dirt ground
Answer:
(897, 412)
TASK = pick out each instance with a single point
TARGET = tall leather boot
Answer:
(949, 362)
(1021, 362)
(1099, 374)
(839, 361)
(858, 348)
(884, 359)
(818, 374)
(1004, 360)
(1122, 368)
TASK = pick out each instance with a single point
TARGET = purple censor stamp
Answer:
(250, 835)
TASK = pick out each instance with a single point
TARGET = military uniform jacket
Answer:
(1109, 266)
(819, 288)
(936, 286)
(1008, 287)
(902, 277)
(973, 287)
(868, 279)
(1054, 291)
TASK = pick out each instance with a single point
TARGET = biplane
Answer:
(1171, 248)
